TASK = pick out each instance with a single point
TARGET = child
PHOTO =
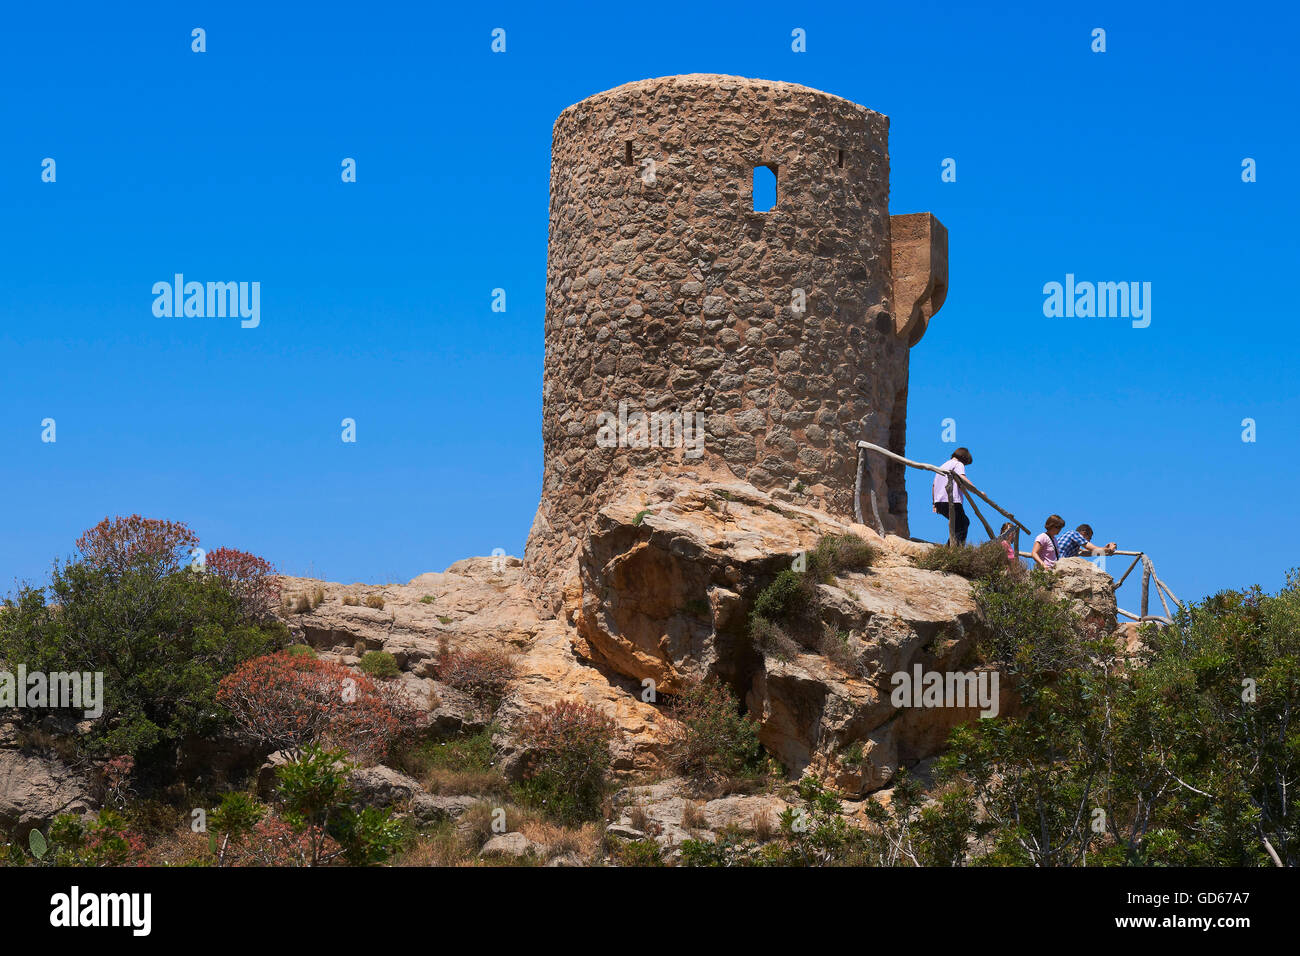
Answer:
(1044, 553)
(1080, 541)
(1006, 536)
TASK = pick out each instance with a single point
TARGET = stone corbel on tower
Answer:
(920, 272)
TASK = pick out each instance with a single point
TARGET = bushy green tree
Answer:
(161, 633)
(1182, 755)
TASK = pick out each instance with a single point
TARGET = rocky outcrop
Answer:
(666, 579)
(669, 573)
(836, 717)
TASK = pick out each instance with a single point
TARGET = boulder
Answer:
(1090, 590)
(384, 787)
(35, 789)
(666, 813)
(381, 786)
(512, 846)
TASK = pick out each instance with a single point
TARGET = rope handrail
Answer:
(864, 478)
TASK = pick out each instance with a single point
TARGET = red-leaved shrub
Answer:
(288, 701)
(483, 675)
(250, 579)
(118, 543)
(273, 842)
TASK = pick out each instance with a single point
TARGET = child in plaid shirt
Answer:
(1080, 540)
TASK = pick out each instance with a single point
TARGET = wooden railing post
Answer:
(952, 515)
(1146, 586)
(988, 528)
(857, 487)
(865, 480)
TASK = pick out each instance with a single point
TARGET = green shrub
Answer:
(714, 744)
(379, 664)
(568, 758)
(1034, 633)
(987, 561)
(837, 554)
(300, 650)
(317, 802)
(103, 840)
(637, 853)
(783, 598)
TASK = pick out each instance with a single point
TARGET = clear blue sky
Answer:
(376, 296)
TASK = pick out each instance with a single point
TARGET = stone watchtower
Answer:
(786, 330)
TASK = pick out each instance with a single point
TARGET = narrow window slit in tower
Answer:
(764, 193)
(839, 158)
(629, 152)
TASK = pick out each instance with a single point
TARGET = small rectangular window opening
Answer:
(764, 188)
(839, 158)
(629, 152)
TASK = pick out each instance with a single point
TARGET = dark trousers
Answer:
(962, 521)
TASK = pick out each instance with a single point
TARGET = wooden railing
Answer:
(865, 483)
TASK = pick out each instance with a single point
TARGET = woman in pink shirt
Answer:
(1044, 553)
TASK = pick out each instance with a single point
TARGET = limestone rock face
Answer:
(476, 604)
(669, 573)
(821, 714)
(663, 571)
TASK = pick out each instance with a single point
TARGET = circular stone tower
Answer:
(690, 325)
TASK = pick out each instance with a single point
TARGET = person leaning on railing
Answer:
(1079, 541)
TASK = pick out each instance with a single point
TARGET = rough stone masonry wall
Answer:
(674, 295)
